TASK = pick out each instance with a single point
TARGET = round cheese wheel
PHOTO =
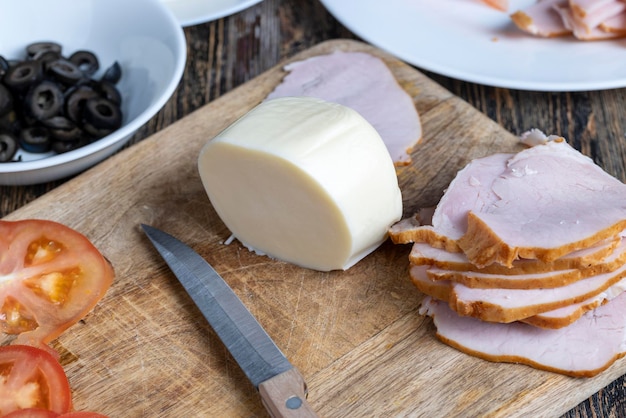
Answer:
(303, 180)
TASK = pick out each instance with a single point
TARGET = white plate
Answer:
(468, 40)
(193, 12)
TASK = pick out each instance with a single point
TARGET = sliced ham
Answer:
(541, 19)
(508, 305)
(583, 349)
(562, 317)
(424, 254)
(616, 24)
(502, 5)
(364, 83)
(551, 200)
(533, 280)
(584, 19)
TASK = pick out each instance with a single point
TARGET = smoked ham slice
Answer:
(583, 349)
(363, 83)
(526, 248)
(584, 19)
(509, 305)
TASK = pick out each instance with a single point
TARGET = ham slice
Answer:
(533, 280)
(508, 305)
(551, 200)
(583, 349)
(365, 84)
(585, 19)
(424, 254)
(541, 19)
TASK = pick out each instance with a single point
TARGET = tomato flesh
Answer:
(51, 276)
(32, 378)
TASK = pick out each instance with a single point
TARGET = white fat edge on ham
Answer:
(364, 83)
(508, 305)
(583, 349)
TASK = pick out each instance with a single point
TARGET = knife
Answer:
(282, 388)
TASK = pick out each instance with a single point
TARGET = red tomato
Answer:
(51, 276)
(32, 378)
(32, 413)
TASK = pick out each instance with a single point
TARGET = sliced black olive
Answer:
(23, 75)
(64, 146)
(8, 147)
(4, 66)
(96, 133)
(75, 100)
(44, 100)
(86, 61)
(109, 92)
(38, 47)
(58, 122)
(102, 114)
(65, 71)
(10, 122)
(46, 57)
(113, 73)
(6, 100)
(63, 129)
(35, 139)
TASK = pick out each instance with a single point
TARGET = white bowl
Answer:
(143, 36)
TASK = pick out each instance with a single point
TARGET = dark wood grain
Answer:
(226, 53)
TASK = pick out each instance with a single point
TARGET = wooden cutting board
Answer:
(356, 336)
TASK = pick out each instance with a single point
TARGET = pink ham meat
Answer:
(365, 84)
(585, 19)
(551, 200)
(505, 207)
(509, 305)
(424, 254)
(583, 349)
(541, 19)
(525, 247)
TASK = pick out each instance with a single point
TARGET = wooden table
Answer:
(228, 52)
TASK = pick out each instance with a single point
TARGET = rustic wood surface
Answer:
(229, 52)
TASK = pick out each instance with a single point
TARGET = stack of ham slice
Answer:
(585, 19)
(525, 258)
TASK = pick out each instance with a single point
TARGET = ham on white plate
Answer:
(527, 249)
(584, 19)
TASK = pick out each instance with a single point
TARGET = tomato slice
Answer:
(32, 413)
(32, 378)
(51, 276)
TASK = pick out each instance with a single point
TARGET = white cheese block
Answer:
(303, 180)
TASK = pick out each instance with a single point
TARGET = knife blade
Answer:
(282, 388)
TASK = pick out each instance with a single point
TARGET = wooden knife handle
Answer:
(284, 395)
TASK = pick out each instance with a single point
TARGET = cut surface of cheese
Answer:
(304, 181)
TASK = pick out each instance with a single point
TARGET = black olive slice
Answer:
(65, 71)
(109, 92)
(96, 133)
(113, 73)
(8, 147)
(46, 57)
(86, 61)
(64, 146)
(58, 122)
(44, 100)
(21, 76)
(10, 122)
(4, 66)
(75, 100)
(35, 139)
(39, 47)
(6, 100)
(102, 114)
